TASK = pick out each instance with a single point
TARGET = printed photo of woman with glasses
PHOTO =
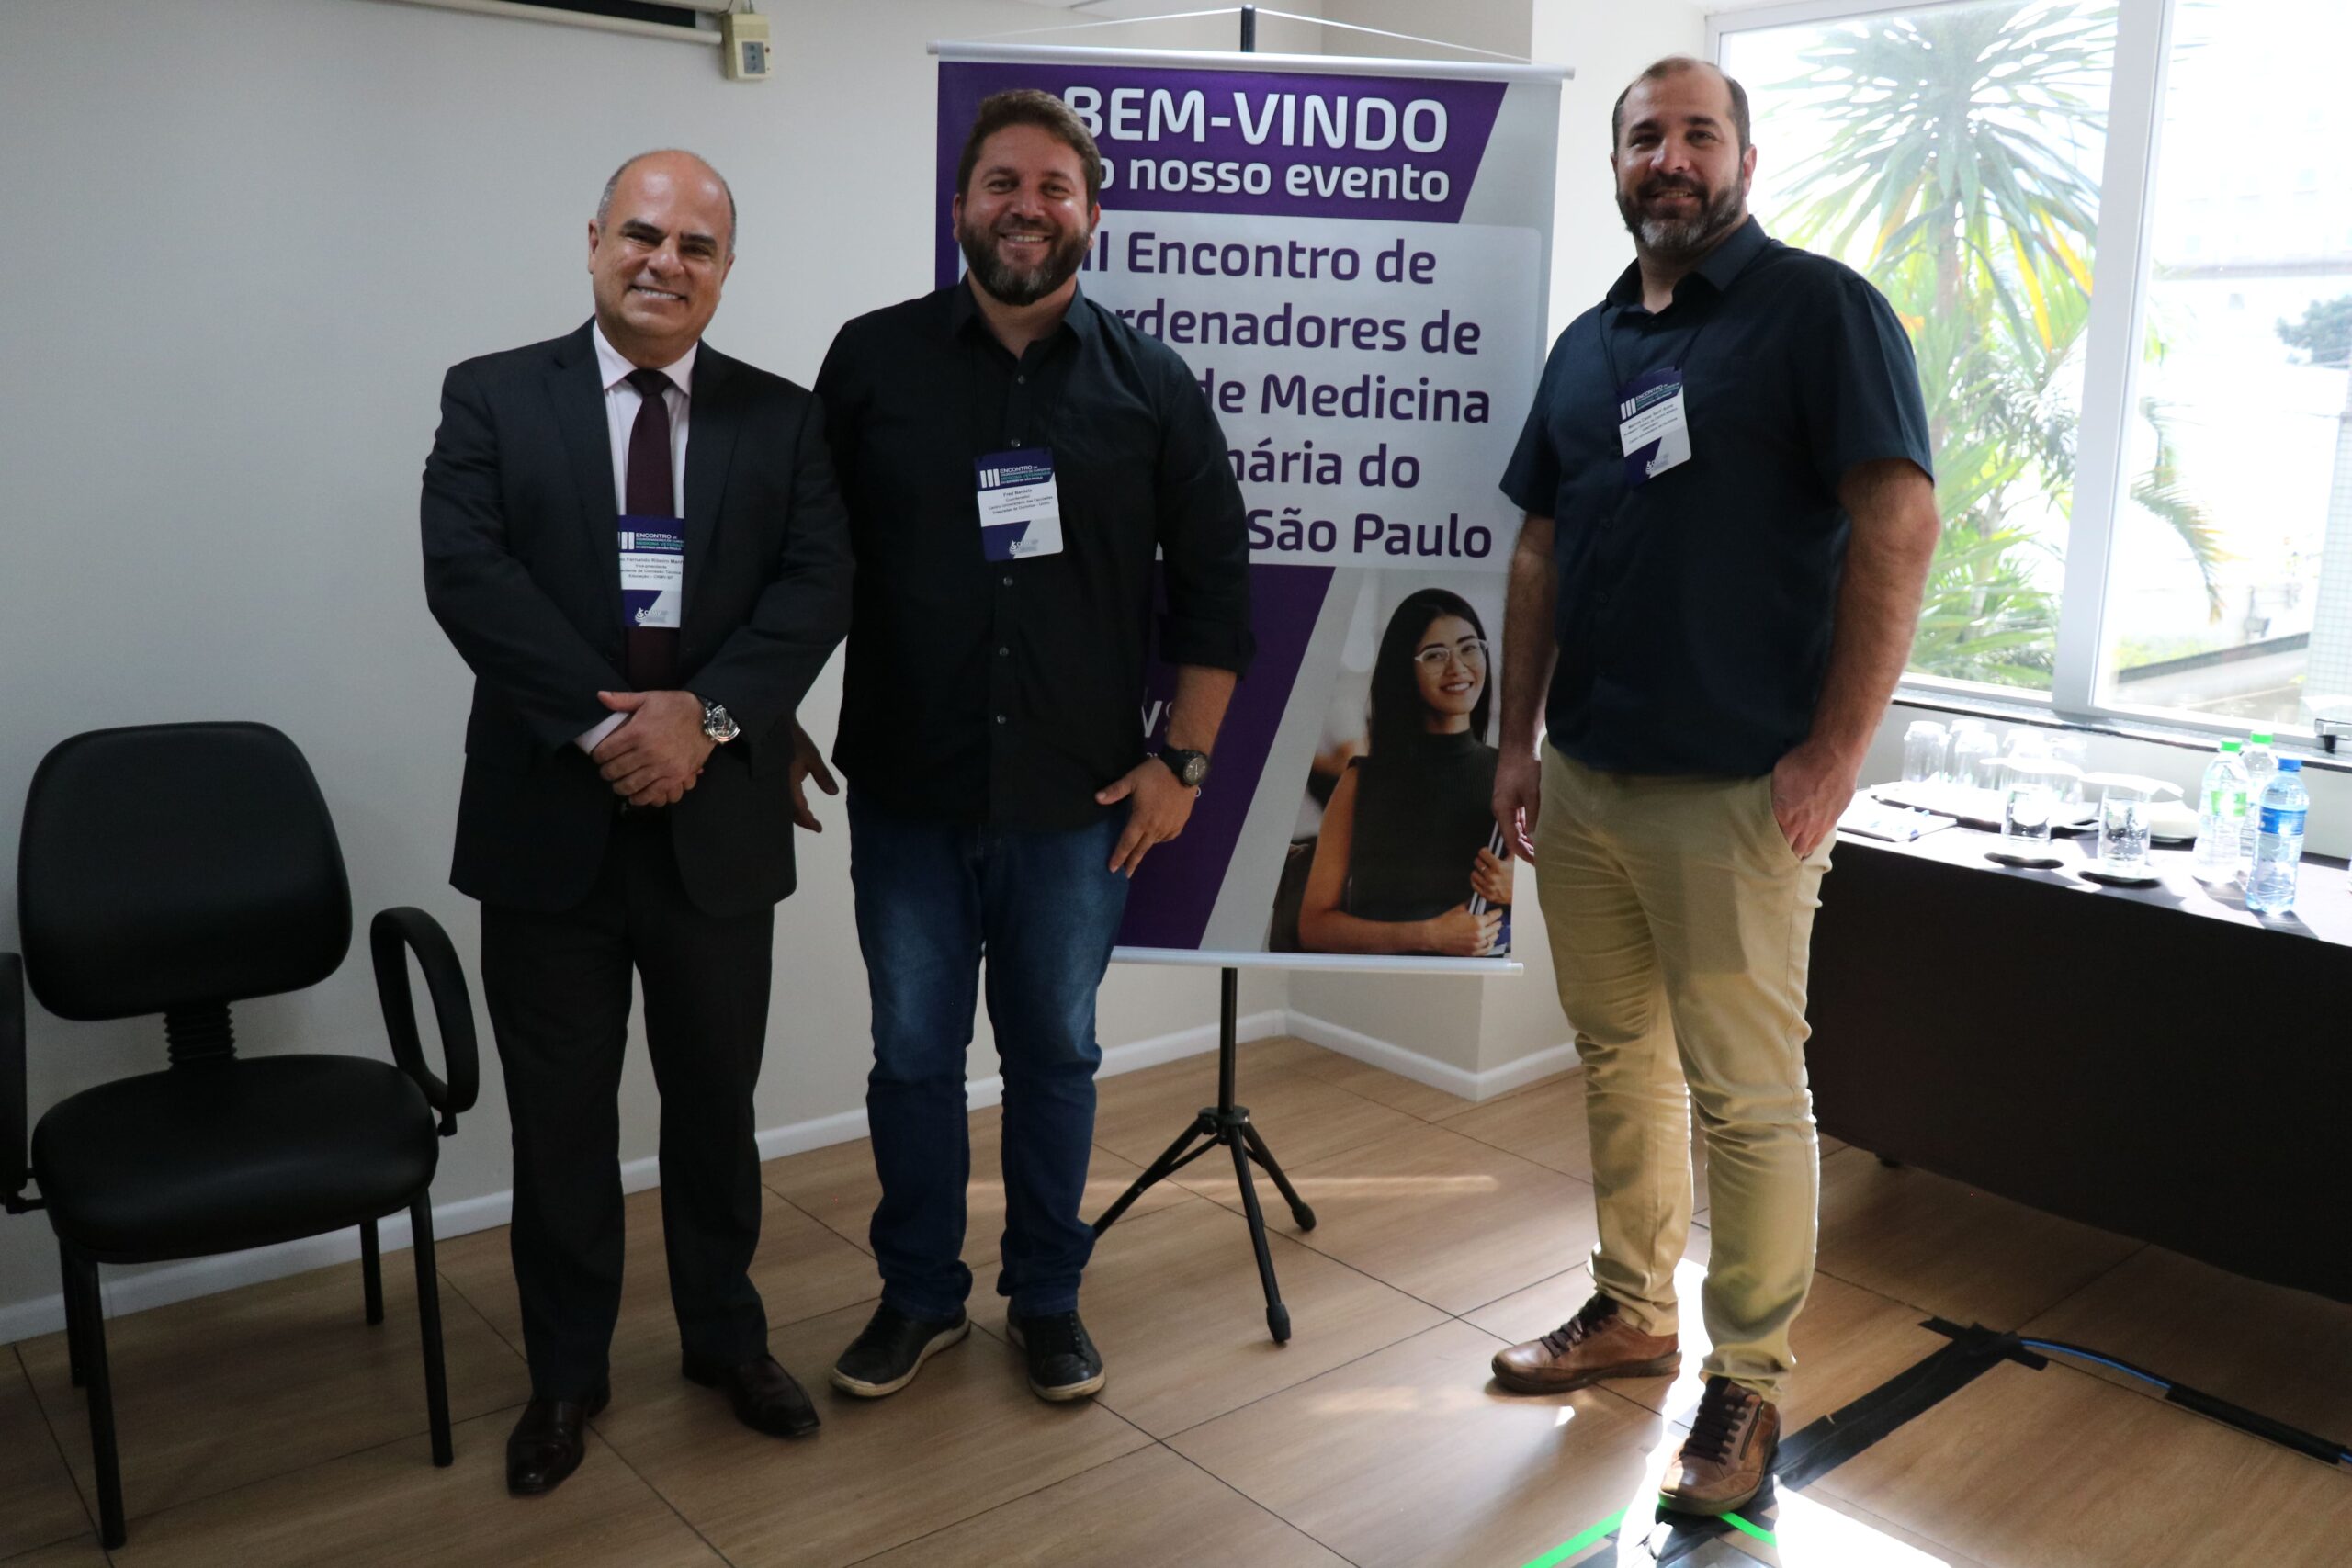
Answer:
(1406, 860)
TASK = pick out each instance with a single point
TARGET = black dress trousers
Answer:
(559, 991)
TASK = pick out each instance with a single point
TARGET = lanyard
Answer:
(1609, 317)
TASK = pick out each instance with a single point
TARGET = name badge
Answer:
(1652, 426)
(1020, 509)
(653, 570)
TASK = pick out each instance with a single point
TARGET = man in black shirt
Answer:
(1729, 520)
(1011, 457)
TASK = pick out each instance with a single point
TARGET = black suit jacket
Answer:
(522, 571)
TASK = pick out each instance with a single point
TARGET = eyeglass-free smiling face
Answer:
(1682, 177)
(659, 256)
(1450, 666)
(1025, 224)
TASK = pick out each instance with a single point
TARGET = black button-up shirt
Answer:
(1009, 692)
(1695, 609)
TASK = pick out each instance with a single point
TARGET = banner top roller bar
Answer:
(980, 50)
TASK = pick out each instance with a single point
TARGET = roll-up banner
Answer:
(1354, 257)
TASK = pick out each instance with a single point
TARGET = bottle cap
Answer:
(2260, 737)
(2233, 746)
(2290, 765)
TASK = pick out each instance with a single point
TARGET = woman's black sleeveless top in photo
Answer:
(1421, 818)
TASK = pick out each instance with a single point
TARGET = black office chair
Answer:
(178, 868)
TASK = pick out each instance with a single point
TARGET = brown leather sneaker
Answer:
(1597, 1343)
(1729, 1452)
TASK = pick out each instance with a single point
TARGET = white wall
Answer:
(256, 233)
(1497, 26)
(1130, 24)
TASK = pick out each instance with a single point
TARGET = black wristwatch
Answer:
(1191, 767)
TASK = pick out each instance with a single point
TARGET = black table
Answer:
(2158, 1061)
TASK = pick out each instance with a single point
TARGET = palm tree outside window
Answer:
(1954, 153)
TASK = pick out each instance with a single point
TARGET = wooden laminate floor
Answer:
(270, 1426)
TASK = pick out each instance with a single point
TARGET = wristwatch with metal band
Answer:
(718, 726)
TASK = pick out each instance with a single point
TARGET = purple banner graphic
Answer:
(1178, 885)
(1394, 149)
(1300, 239)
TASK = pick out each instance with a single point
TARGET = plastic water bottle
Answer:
(2220, 816)
(2260, 763)
(2278, 839)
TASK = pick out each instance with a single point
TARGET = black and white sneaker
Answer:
(892, 1349)
(1063, 1362)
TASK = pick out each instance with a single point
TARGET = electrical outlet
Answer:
(750, 57)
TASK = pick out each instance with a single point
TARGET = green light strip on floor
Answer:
(1763, 1535)
(1567, 1549)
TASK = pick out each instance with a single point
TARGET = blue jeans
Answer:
(931, 899)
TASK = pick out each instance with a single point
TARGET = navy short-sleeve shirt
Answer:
(1695, 609)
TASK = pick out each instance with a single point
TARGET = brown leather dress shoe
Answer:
(549, 1442)
(1597, 1343)
(1729, 1452)
(765, 1395)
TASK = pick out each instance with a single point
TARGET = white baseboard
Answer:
(127, 1293)
(981, 1093)
(1422, 1069)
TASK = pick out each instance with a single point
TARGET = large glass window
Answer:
(1951, 154)
(1955, 153)
(2219, 579)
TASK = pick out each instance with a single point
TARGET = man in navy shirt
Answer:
(1729, 517)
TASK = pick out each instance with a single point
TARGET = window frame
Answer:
(2112, 365)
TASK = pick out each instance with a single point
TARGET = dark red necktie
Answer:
(652, 650)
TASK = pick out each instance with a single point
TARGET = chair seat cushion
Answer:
(215, 1156)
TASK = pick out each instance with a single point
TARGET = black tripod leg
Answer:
(1277, 1315)
(1169, 1158)
(1265, 1158)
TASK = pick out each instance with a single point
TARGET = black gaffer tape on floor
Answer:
(1827, 1443)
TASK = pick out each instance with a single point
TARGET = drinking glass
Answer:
(1975, 755)
(1962, 726)
(1923, 752)
(2075, 752)
(2035, 787)
(2024, 816)
(2124, 832)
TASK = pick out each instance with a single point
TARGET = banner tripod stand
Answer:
(1227, 1125)
(1225, 1122)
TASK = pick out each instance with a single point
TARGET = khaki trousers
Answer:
(1680, 924)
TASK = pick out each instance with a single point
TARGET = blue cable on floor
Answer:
(2197, 1399)
(2102, 1360)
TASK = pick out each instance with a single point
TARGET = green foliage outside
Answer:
(1952, 179)
(2324, 334)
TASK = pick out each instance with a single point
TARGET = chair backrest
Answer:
(175, 865)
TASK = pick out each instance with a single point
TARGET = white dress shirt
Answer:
(621, 403)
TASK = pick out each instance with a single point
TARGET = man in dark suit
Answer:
(635, 543)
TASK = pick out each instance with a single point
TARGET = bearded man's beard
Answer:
(1019, 284)
(1675, 238)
